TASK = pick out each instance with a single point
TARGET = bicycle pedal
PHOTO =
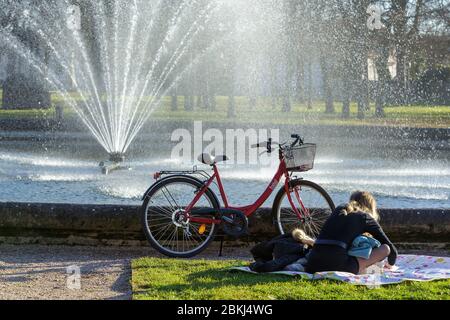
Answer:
(234, 223)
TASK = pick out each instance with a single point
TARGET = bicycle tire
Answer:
(276, 208)
(158, 186)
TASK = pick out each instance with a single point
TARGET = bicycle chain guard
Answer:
(234, 223)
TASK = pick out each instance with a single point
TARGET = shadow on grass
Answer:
(218, 278)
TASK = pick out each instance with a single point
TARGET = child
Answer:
(278, 253)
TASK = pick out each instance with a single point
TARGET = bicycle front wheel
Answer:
(311, 201)
(167, 226)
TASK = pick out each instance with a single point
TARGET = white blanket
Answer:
(408, 268)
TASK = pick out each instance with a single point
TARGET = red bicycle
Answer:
(181, 214)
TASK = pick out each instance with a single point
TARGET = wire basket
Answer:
(300, 159)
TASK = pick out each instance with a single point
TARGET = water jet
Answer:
(118, 60)
(116, 157)
(114, 163)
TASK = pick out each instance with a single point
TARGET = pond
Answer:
(63, 168)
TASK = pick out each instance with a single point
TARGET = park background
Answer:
(374, 94)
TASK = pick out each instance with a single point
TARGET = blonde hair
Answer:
(362, 201)
(302, 237)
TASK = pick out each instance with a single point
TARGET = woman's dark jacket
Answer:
(346, 227)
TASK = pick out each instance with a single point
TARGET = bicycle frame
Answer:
(250, 209)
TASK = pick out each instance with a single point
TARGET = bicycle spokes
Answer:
(170, 225)
(303, 207)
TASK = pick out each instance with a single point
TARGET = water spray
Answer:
(117, 157)
(114, 163)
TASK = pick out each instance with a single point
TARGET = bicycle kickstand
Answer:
(221, 247)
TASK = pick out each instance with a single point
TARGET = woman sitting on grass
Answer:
(359, 216)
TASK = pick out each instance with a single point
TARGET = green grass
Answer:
(413, 116)
(170, 279)
(263, 113)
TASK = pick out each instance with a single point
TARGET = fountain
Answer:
(115, 163)
(113, 61)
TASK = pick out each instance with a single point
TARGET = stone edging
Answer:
(74, 224)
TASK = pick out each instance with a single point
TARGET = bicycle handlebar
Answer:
(260, 145)
(268, 144)
(297, 138)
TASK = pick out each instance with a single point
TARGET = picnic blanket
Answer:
(408, 268)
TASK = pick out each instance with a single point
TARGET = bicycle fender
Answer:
(157, 183)
(293, 182)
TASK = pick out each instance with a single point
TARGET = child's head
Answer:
(363, 201)
(302, 237)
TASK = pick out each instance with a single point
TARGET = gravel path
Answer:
(40, 272)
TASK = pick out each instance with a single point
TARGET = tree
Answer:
(327, 84)
(290, 32)
(24, 88)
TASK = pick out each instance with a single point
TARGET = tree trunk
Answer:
(188, 103)
(346, 98)
(192, 101)
(252, 102)
(273, 101)
(287, 107)
(12, 63)
(362, 101)
(199, 101)
(382, 83)
(174, 103)
(231, 106)
(25, 89)
(400, 26)
(206, 102)
(290, 37)
(346, 106)
(360, 57)
(212, 102)
(329, 101)
(273, 84)
(361, 108)
(300, 81)
(310, 87)
(346, 90)
(362, 87)
(379, 106)
(401, 76)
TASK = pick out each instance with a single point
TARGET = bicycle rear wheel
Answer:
(166, 225)
(315, 209)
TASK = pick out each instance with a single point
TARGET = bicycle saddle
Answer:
(208, 159)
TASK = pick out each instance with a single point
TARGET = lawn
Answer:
(263, 113)
(170, 279)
